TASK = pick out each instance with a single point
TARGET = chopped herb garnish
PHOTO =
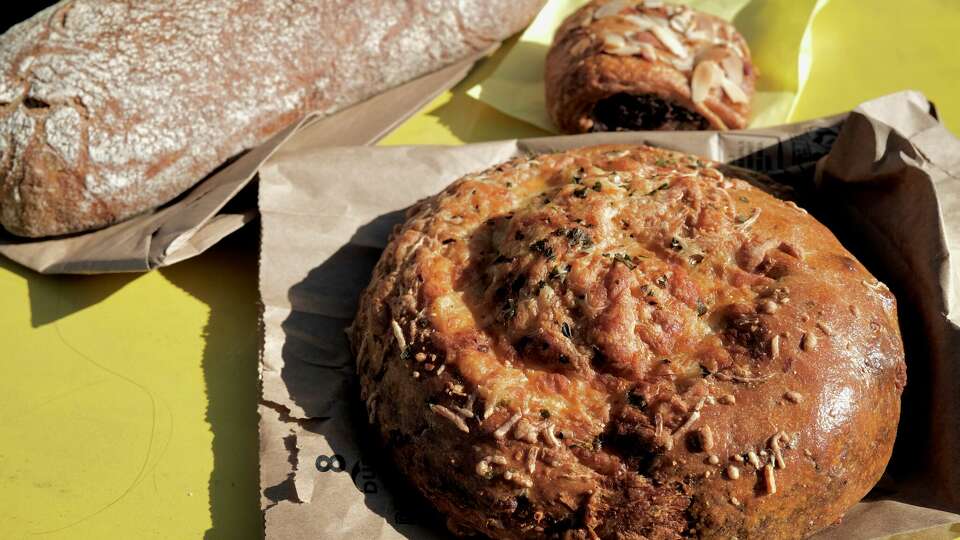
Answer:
(578, 175)
(701, 308)
(544, 414)
(704, 371)
(661, 281)
(576, 236)
(675, 244)
(509, 184)
(597, 186)
(565, 330)
(406, 353)
(663, 162)
(509, 310)
(696, 258)
(580, 193)
(558, 273)
(661, 187)
(542, 248)
(625, 259)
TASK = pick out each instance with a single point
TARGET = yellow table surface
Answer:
(127, 402)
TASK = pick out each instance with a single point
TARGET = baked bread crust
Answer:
(689, 69)
(109, 108)
(625, 342)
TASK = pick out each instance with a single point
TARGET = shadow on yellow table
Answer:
(127, 403)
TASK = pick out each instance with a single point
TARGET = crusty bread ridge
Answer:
(109, 108)
(621, 342)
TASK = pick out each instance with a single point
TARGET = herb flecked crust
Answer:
(626, 342)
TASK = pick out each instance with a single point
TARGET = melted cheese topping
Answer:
(574, 267)
(558, 285)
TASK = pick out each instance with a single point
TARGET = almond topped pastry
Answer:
(646, 65)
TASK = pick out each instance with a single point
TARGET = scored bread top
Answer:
(110, 108)
(625, 340)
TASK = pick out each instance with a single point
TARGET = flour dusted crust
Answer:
(111, 107)
(625, 342)
(646, 64)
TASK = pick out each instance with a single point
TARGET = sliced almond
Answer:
(644, 50)
(706, 75)
(659, 21)
(669, 40)
(626, 50)
(681, 21)
(683, 64)
(580, 46)
(738, 48)
(733, 91)
(613, 41)
(723, 31)
(695, 35)
(640, 22)
(647, 51)
(733, 67)
(611, 9)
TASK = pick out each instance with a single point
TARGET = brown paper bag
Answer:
(219, 204)
(886, 182)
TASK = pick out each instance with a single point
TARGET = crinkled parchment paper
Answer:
(886, 178)
(219, 204)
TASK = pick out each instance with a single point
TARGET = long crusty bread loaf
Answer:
(111, 108)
